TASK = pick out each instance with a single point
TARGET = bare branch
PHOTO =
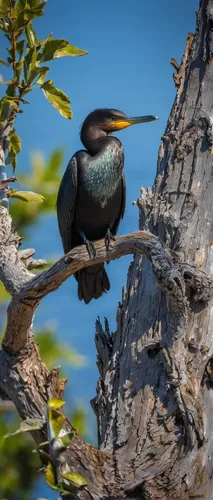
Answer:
(28, 290)
(4, 182)
(29, 262)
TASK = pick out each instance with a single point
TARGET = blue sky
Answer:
(129, 45)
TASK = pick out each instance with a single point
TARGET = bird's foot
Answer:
(109, 236)
(90, 249)
(89, 245)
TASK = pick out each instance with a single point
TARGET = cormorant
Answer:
(91, 197)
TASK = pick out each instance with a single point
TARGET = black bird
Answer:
(92, 194)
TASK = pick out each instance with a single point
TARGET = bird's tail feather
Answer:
(92, 282)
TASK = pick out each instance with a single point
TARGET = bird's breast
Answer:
(102, 174)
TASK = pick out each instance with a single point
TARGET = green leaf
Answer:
(55, 403)
(10, 51)
(26, 90)
(28, 14)
(4, 8)
(41, 445)
(29, 63)
(13, 163)
(33, 3)
(26, 196)
(5, 4)
(66, 440)
(19, 7)
(51, 479)
(36, 175)
(44, 455)
(20, 47)
(55, 161)
(70, 50)
(4, 295)
(31, 35)
(15, 142)
(3, 62)
(41, 78)
(75, 478)
(47, 83)
(50, 47)
(42, 42)
(50, 475)
(4, 26)
(58, 99)
(37, 72)
(36, 10)
(51, 351)
(19, 66)
(56, 423)
(12, 101)
(4, 110)
(54, 164)
(28, 425)
(79, 420)
(11, 90)
(11, 160)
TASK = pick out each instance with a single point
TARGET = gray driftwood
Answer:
(154, 402)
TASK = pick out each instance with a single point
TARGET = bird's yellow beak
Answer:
(123, 123)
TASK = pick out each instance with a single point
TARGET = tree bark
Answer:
(154, 397)
(154, 400)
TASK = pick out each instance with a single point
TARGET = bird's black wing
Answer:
(66, 203)
(122, 206)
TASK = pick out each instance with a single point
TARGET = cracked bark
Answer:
(154, 398)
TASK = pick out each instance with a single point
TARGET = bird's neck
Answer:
(93, 139)
(105, 166)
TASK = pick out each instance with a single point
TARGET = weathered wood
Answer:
(154, 399)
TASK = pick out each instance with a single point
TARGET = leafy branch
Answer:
(58, 441)
(27, 55)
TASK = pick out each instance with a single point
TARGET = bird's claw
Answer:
(109, 236)
(90, 249)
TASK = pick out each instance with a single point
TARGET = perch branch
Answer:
(27, 290)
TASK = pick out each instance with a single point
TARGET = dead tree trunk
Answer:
(154, 399)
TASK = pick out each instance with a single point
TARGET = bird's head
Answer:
(103, 122)
(111, 120)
